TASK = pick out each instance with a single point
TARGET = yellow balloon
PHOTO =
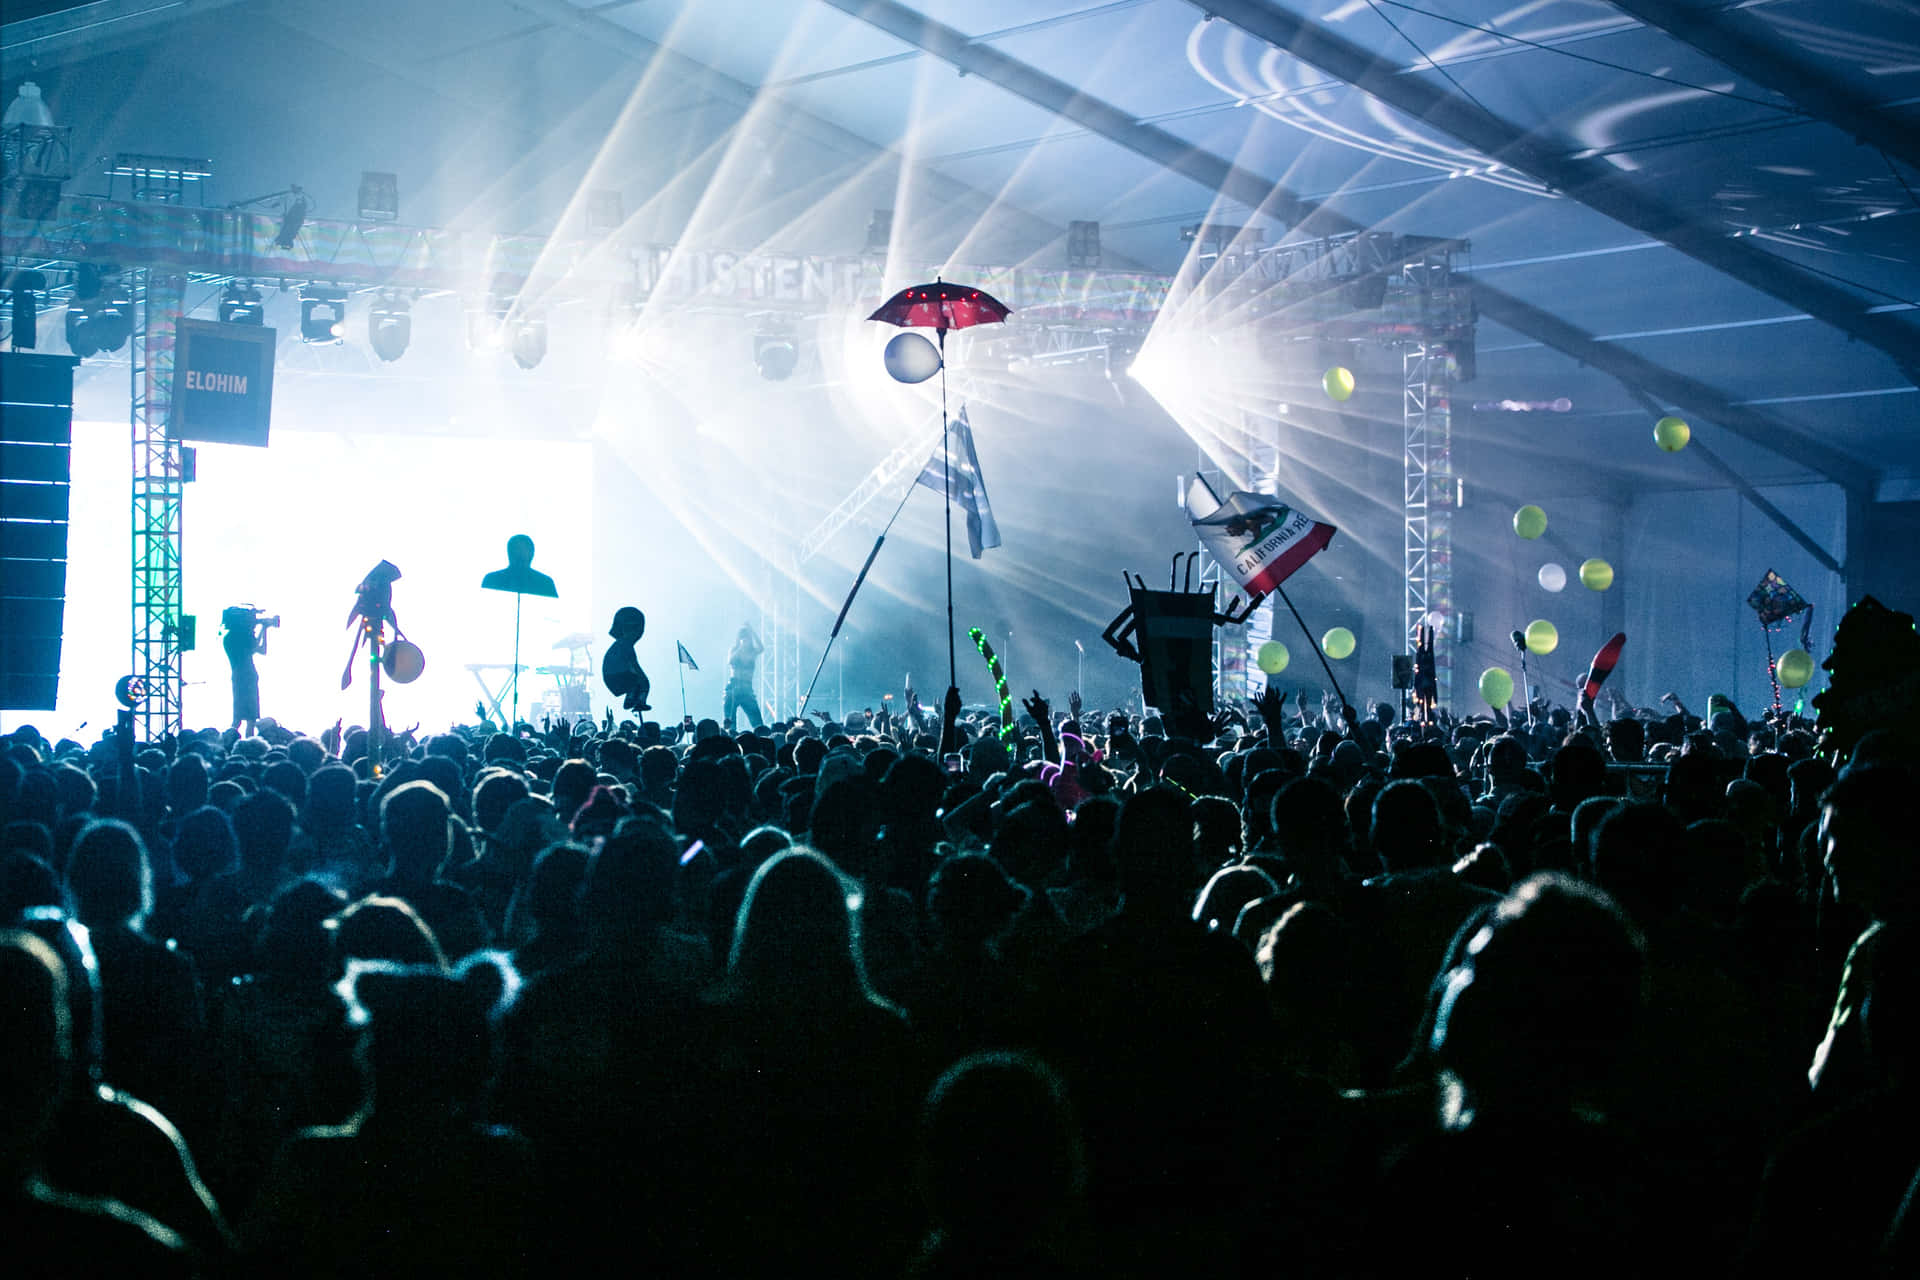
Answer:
(1530, 522)
(1795, 668)
(1672, 434)
(1496, 686)
(1272, 657)
(1338, 643)
(1596, 575)
(1542, 636)
(1338, 382)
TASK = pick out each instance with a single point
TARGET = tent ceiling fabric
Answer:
(505, 114)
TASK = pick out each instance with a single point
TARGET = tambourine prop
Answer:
(403, 661)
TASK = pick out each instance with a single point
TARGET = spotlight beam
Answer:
(1222, 176)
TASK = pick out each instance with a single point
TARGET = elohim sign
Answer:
(222, 383)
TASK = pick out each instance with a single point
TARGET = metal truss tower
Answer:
(158, 490)
(777, 680)
(1431, 495)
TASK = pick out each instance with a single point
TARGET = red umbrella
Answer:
(941, 306)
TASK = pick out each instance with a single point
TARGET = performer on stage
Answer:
(620, 669)
(741, 661)
(246, 635)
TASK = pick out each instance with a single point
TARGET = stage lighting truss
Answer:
(390, 326)
(242, 304)
(323, 314)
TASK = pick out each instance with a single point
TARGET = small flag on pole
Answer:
(1255, 536)
(969, 488)
(686, 659)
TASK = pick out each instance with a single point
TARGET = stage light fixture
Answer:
(775, 355)
(529, 342)
(390, 326)
(27, 286)
(1083, 245)
(79, 339)
(110, 318)
(292, 216)
(379, 196)
(241, 304)
(323, 314)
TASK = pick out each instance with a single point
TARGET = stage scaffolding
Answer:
(159, 489)
(1370, 289)
(1431, 496)
(1328, 288)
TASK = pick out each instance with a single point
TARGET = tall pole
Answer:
(376, 721)
(946, 485)
(516, 661)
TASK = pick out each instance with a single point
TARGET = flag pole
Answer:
(946, 485)
(678, 649)
(1315, 642)
(851, 593)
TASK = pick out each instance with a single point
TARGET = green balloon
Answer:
(1496, 686)
(1795, 668)
(1272, 657)
(1338, 382)
(1529, 522)
(1672, 434)
(1542, 636)
(1338, 643)
(1596, 575)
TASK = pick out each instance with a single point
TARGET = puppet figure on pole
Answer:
(940, 306)
(372, 614)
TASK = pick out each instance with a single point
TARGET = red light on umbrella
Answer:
(941, 306)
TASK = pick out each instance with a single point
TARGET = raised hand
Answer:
(1073, 703)
(1038, 708)
(1272, 707)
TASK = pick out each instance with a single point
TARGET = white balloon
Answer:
(911, 358)
(1553, 577)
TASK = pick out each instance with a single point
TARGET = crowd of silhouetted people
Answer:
(1293, 993)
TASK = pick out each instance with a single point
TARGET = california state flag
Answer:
(1257, 537)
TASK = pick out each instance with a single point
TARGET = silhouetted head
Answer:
(795, 943)
(38, 1035)
(263, 826)
(109, 876)
(377, 928)
(970, 901)
(295, 945)
(630, 884)
(1230, 889)
(413, 827)
(1406, 830)
(519, 551)
(1000, 1150)
(1542, 999)
(553, 891)
(430, 1043)
(1866, 824)
(628, 623)
(1638, 851)
(1153, 850)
